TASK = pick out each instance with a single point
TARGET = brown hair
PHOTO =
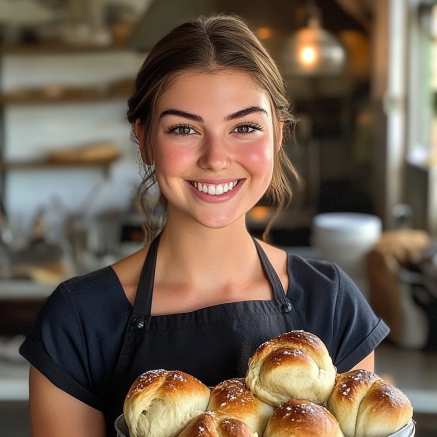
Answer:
(208, 44)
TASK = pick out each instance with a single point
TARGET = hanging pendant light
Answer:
(313, 51)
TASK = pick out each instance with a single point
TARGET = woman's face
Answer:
(213, 146)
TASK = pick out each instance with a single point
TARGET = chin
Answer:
(218, 222)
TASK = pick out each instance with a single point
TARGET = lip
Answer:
(225, 197)
(215, 181)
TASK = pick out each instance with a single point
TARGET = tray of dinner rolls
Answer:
(291, 389)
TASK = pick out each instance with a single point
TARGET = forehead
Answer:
(224, 87)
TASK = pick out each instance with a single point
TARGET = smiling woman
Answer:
(209, 114)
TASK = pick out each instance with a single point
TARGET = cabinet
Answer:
(61, 98)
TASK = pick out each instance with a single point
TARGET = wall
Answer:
(32, 131)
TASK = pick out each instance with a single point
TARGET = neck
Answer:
(199, 256)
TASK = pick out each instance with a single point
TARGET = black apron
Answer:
(213, 344)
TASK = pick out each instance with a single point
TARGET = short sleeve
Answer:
(56, 347)
(329, 304)
(76, 338)
(355, 325)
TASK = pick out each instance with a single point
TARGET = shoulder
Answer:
(307, 270)
(80, 305)
(101, 286)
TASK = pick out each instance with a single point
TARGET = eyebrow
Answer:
(182, 114)
(194, 117)
(244, 112)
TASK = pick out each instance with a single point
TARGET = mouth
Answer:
(215, 190)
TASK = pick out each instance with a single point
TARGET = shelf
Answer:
(56, 48)
(22, 289)
(12, 100)
(30, 165)
(57, 94)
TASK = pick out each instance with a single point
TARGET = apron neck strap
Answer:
(272, 276)
(143, 298)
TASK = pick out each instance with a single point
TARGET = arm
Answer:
(54, 412)
(368, 363)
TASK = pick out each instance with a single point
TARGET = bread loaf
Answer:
(366, 406)
(302, 418)
(211, 424)
(233, 399)
(295, 365)
(160, 403)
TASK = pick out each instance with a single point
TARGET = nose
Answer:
(214, 155)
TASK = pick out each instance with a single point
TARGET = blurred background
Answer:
(362, 80)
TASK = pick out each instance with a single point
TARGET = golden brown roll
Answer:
(302, 418)
(160, 403)
(367, 406)
(295, 365)
(212, 424)
(233, 399)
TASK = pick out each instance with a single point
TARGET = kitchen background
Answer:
(365, 143)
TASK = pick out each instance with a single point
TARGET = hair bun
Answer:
(295, 365)
(160, 403)
(302, 418)
(233, 399)
(367, 406)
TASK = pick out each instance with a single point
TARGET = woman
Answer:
(209, 113)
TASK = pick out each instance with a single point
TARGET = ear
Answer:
(146, 155)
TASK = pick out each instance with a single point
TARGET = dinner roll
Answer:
(367, 406)
(234, 399)
(160, 403)
(295, 365)
(302, 418)
(212, 424)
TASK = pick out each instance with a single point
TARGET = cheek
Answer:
(258, 157)
(171, 160)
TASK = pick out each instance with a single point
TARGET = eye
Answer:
(181, 130)
(247, 128)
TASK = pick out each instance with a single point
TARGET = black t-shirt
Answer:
(77, 337)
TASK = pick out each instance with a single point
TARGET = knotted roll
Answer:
(160, 403)
(367, 406)
(302, 418)
(211, 424)
(233, 399)
(295, 365)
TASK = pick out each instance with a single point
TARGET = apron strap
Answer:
(278, 292)
(272, 276)
(143, 298)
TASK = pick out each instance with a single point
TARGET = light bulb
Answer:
(308, 55)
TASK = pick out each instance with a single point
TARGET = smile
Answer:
(215, 190)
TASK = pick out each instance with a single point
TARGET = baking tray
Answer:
(408, 430)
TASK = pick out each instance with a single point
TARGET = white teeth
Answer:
(215, 190)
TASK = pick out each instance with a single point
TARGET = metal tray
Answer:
(408, 430)
(121, 427)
